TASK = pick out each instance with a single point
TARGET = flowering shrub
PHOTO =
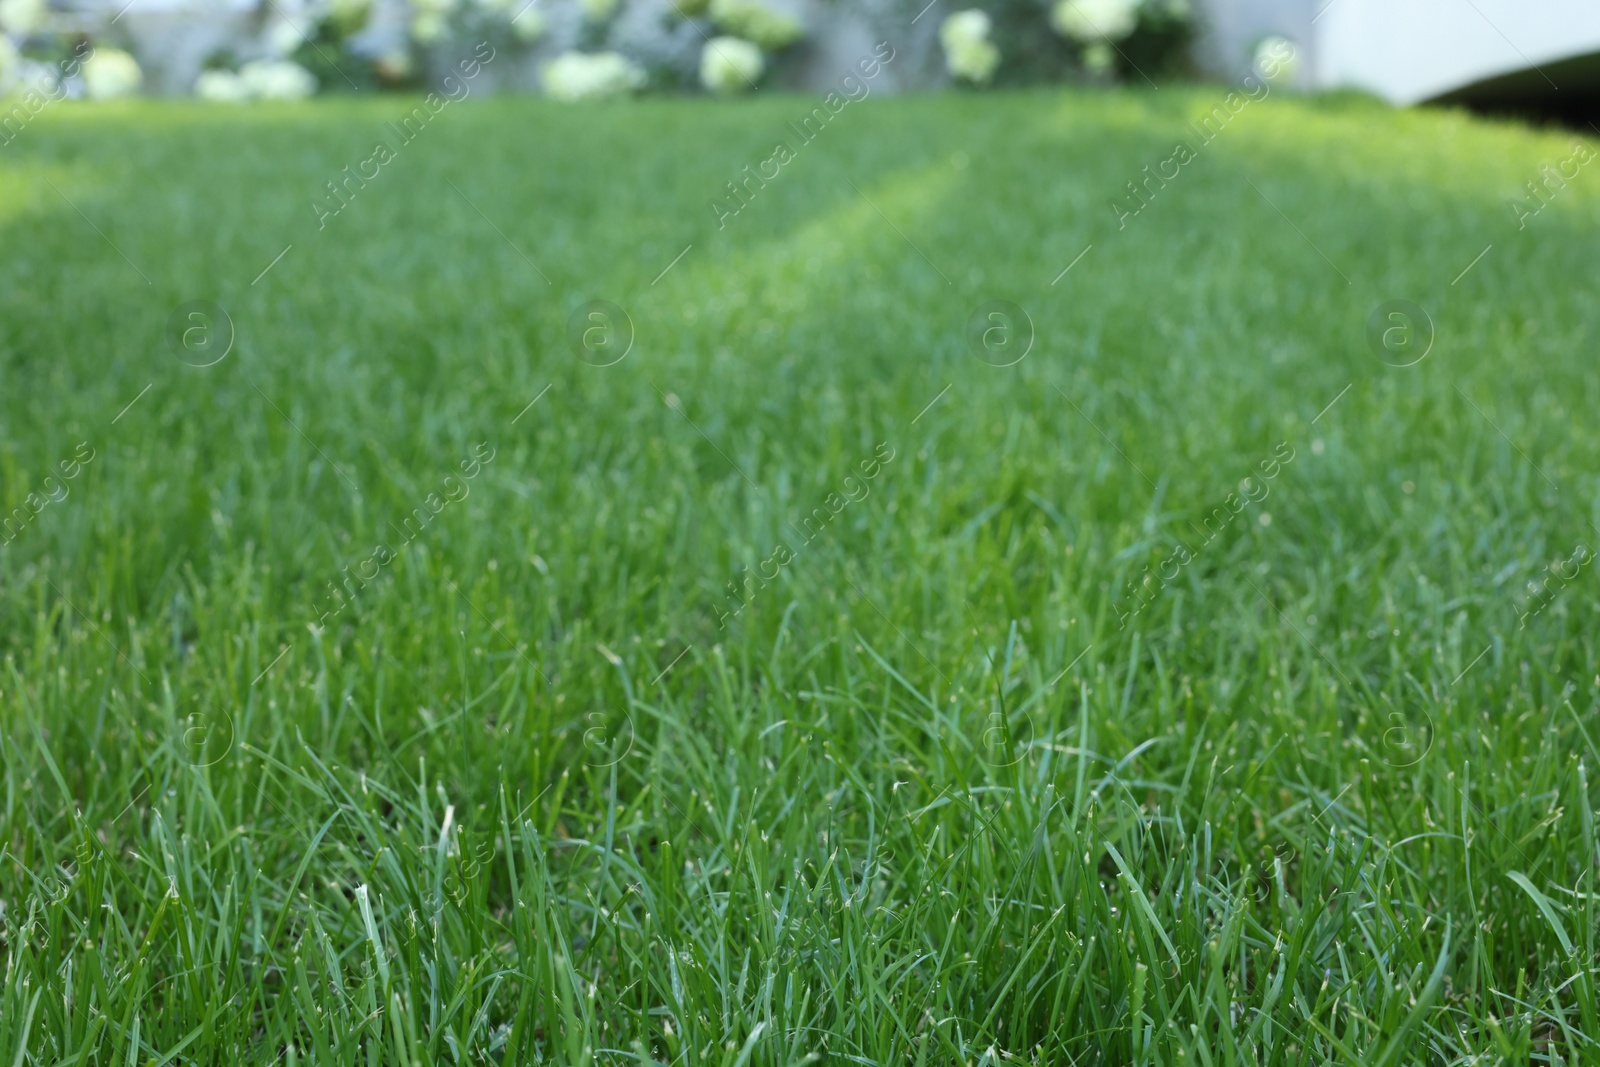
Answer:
(1276, 59)
(21, 17)
(529, 24)
(754, 21)
(579, 76)
(429, 19)
(968, 52)
(221, 86)
(1091, 21)
(111, 73)
(574, 49)
(268, 79)
(1125, 36)
(1102, 39)
(730, 65)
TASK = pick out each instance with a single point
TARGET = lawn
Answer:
(784, 659)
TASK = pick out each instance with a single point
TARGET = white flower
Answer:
(277, 80)
(283, 38)
(968, 52)
(585, 76)
(754, 21)
(1276, 59)
(1095, 20)
(964, 27)
(22, 17)
(530, 25)
(730, 65)
(427, 27)
(110, 73)
(221, 86)
(598, 10)
(973, 60)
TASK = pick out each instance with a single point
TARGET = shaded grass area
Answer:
(529, 789)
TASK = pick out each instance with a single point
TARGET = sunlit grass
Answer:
(536, 792)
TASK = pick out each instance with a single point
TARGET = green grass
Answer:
(1324, 799)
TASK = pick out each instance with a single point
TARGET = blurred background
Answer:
(1539, 59)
